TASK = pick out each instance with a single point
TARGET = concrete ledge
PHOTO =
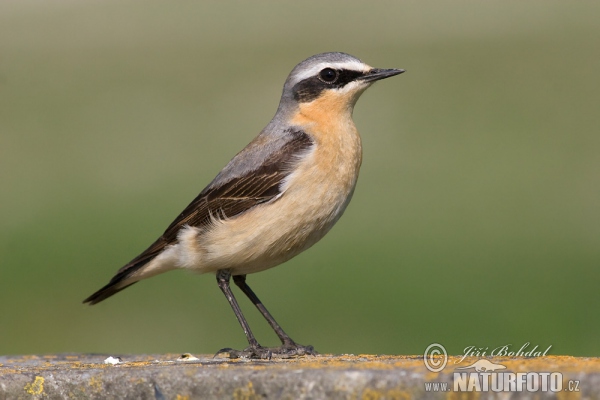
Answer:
(322, 377)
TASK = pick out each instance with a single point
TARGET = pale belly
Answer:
(315, 196)
(272, 233)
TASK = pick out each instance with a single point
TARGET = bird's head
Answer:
(333, 80)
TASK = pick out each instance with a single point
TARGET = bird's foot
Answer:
(287, 350)
(252, 352)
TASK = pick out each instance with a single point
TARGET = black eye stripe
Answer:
(347, 76)
(310, 88)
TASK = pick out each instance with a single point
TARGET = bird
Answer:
(276, 198)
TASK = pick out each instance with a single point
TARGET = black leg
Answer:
(255, 350)
(223, 282)
(240, 281)
(289, 347)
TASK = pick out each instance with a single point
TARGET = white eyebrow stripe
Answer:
(350, 65)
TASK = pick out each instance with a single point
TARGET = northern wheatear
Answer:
(276, 198)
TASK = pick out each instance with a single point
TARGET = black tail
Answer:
(116, 283)
(105, 293)
(114, 286)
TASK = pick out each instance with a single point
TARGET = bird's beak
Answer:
(377, 73)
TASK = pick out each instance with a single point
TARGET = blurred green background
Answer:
(476, 220)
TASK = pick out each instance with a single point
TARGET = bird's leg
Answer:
(255, 350)
(240, 281)
(289, 347)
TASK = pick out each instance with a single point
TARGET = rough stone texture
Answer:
(322, 377)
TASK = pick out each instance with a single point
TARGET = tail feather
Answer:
(117, 284)
(105, 293)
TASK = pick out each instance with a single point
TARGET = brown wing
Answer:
(221, 200)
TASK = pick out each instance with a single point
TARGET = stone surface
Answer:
(321, 377)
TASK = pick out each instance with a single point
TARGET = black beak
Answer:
(377, 73)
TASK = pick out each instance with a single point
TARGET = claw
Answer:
(225, 350)
(292, 350)
(266, 353)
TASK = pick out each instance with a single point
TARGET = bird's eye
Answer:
(328, 75)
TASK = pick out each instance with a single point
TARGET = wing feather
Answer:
(230, 194)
